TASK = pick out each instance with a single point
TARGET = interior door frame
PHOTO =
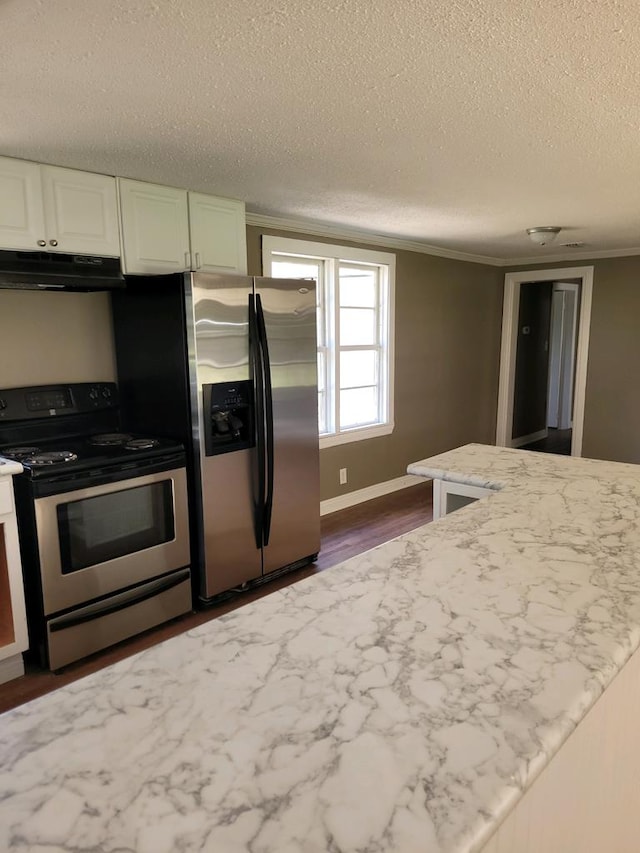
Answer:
(566, 372)
(511, 306)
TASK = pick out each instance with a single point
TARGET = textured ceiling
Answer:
(457, 123)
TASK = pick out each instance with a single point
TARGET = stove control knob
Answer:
(3, 404)
(93, 394)
(106, 393)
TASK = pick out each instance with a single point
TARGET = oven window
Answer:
(96, 529)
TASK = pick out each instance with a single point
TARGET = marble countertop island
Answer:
(398, 703)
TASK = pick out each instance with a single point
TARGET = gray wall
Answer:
(448, 320)
(612, 407)
(447, 350)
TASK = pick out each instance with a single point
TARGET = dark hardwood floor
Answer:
(343, 535)
(558, 441)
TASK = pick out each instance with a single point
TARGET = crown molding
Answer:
(323, 229)
(571, 256)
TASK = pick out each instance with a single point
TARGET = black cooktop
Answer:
(82, 452)
(53, 430)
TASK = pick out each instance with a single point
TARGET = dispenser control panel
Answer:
(228, 416)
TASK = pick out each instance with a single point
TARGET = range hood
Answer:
(53, 271)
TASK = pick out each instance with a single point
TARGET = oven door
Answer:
(98, 540)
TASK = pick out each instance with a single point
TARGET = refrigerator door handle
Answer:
(268, 418)
(257, 375)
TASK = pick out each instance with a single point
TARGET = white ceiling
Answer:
(455, 123)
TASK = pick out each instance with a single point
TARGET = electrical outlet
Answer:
(343, 476)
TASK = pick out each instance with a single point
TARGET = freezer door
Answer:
(289, 310)
(221, 354)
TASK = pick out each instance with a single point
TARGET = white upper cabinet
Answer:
(57, 210)
(21, 208)
(81, 211)
(218, 235)
(165, 230)
(155, 228)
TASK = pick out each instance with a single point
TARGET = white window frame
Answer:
(277, 246)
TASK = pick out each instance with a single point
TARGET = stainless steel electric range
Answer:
(102, 518)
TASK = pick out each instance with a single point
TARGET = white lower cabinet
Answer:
(448, 497)
(13, 622)
(586, 799)
(47, 208)
(165, 229)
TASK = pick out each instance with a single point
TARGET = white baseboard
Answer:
(367, 494)
(528, 439)
(11, 668)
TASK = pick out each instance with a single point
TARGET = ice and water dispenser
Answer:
(228, 416)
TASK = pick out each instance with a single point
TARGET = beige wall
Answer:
(612, 403)
(447, 343)
(55, 337)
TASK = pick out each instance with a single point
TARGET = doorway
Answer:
(541, 311)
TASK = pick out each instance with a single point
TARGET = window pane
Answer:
(295, 269)
(357, 326)
(321, 371)
(322, 395)
(304, 268)
(353, 300)
(358, 406)
(358, 368)
(358, 287)
(321, 324)
(322, 413)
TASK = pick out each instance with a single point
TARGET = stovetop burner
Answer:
(122, 439)
(53, 457)
(90, 451)
(141, 443)
(20, 453)
(110, 439)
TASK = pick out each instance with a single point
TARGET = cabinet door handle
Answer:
(53, 242)
(187, 260)
(42, 242)
(198, 264)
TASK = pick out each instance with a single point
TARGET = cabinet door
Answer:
(155, 228)
(81, 212)
(218, 235)
(21, 213)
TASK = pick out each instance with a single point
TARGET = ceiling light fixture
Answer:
(544, 234)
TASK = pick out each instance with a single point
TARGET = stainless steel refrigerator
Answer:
(229, 364)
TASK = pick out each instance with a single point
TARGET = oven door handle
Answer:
(118, 602)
